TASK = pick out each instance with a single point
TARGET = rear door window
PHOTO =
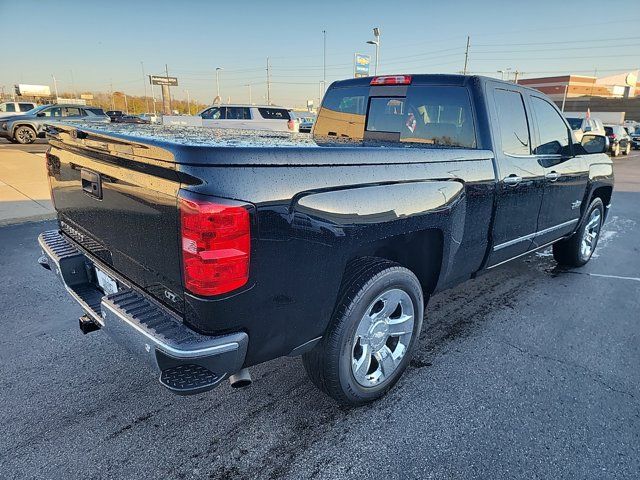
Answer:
(238, 113)
(274, 113)
(512, 120)
(10, 107)
(25, 107)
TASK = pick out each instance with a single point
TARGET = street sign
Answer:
(160, 80)
(361, 65)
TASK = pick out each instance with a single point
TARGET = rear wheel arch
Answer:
(421, 252)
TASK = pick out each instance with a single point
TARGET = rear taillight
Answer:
(216, 243)
(612, 136)
(392, 80)
(291, 124)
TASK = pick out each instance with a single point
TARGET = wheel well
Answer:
(15, 127)
(420, 252)
(604, 194)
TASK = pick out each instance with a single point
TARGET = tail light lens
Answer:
(216, 245)
(291, 124)
(391, 80)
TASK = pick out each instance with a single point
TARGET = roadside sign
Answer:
(86, 96)
(361, 65)
(33, 90)
(160, 80)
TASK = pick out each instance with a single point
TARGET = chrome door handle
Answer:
(512, 180)
(552, 176)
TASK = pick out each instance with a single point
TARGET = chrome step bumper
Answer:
(188, 362)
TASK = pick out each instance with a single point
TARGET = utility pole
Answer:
(268, 82)
(564, 97)
(166, 94)
(249, 85)
(144, 83)
(126, 104)
(55, 86)
(188, 101)
(466, 56)
(324, 59)
(218, 84)
(515, 76)
(113, 105)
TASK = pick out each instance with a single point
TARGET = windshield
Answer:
(575, 123)
(33, 111)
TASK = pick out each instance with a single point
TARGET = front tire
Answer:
(25, 135)
(371, 337)
(577, 250)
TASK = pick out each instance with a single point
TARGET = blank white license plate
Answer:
(107, 283)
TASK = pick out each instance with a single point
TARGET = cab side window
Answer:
(512, 120)
(554, 134)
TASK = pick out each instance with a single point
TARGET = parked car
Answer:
(27, 127)
(306, 124)
(635, 138)
(267, 245)
(8, 109)
(150, 117)
(115, 115)
(619, 139)
(580, 126)
(250, 117)
(132, 119)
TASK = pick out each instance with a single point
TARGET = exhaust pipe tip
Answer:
(87, 324)
(240, 379)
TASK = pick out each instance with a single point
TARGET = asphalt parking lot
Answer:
(39, 146)
(526, 372)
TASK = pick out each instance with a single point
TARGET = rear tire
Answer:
(577, 250)
(615, 151)
(372, 334)
(24, 135)
(627, 150)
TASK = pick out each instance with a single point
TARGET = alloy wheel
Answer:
(382, 337)
(591, 233)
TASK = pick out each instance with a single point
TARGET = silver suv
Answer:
(27, 127)
(580, 126)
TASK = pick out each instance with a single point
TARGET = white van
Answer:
(250, 117)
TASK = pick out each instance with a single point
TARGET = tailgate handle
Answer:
(91, 183)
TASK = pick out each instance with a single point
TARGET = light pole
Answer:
(324, 58)
(249, 85)
(376, 42)
(218, 81)
(144, 84)
(188, 102)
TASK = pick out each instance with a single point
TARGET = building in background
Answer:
(580, 87)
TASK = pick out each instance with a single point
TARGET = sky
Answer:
(98, 45)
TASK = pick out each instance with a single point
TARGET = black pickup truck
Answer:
(209, 252)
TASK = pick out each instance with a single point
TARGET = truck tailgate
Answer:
(118, 200)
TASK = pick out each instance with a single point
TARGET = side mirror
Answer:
(40, 114)
(595, 143)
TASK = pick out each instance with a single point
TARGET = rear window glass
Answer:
(274, 113)
(575, 123)
(608, 130)
(430, 115)
(347, 100)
